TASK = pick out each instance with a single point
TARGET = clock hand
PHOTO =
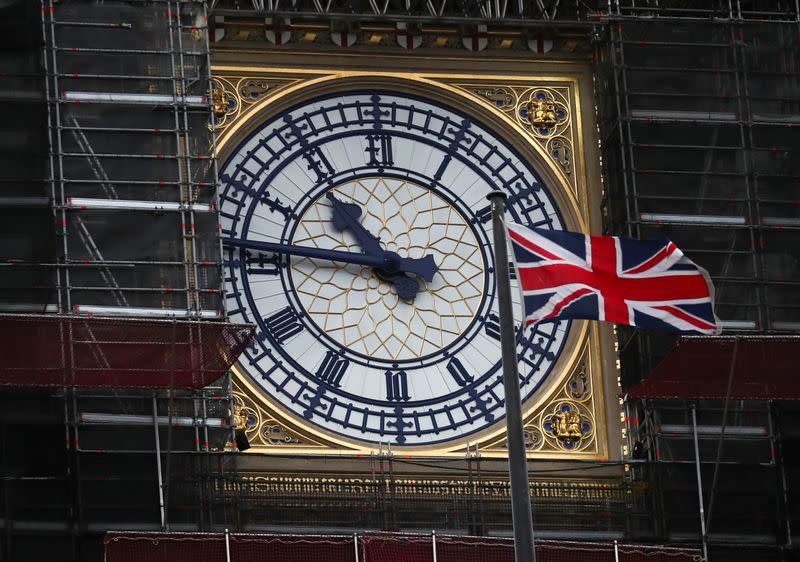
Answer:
(424, 267)
(406, 287)
(345, 217)
(385, 264)
(311, 252)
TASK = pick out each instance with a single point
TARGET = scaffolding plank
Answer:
(134, 99)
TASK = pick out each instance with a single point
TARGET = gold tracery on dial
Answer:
(363, 313)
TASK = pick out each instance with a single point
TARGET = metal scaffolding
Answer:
(699, 104)
(131, 182)
(716, 472)
(525, 13)
(699, 111)
(107, 461)
(108, 207)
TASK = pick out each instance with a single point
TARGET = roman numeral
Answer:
(397, 386)
(261, 264)
(283, 324)
(318, 163)
(380, 151)
(332, 369)
(459, 136)
(492, 326)
(459, 372)
(483, 215)
(442, 167)
(274, 205)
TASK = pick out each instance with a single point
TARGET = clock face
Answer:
(336, 346)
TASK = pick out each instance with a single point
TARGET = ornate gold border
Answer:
(269, 426)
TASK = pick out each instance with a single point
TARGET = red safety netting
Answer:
(369, 547)
(50, 350)
(765, 368)
(391, 547)
(212, 547)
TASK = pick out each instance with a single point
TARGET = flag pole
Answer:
(521, 514)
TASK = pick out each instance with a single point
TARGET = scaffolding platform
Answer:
(726, 368)
(59, 350)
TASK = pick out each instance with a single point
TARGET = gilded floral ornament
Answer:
(541, 113)
(579, 385)
(533, 438)
(273, 434)
(502, 98)
(239, 418)
(569, 425)
(233, 97)
(259, 426)
(252, 89)
(225, 103)
(566, 424)
(561, 151)
(218, 101)
(544, 112)
(245, 415)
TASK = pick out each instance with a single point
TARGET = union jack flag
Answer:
(639, 283)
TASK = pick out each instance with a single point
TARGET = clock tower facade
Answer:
(372, 154)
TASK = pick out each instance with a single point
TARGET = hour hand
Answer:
(345, 217)
(424, 267)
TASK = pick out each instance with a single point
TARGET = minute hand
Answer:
(310, 252)
(386, 261)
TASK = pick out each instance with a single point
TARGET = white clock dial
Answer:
(336, 345)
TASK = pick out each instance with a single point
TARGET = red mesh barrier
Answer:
(210, 547)
(371, 547)
(477, 549)
(699, 367)
(293, 548)
(390, 547)
(50, 350)
(569, 551)
(156, 547)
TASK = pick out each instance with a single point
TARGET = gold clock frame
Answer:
(557, 132)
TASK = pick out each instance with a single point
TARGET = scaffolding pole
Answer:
(703, 535)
